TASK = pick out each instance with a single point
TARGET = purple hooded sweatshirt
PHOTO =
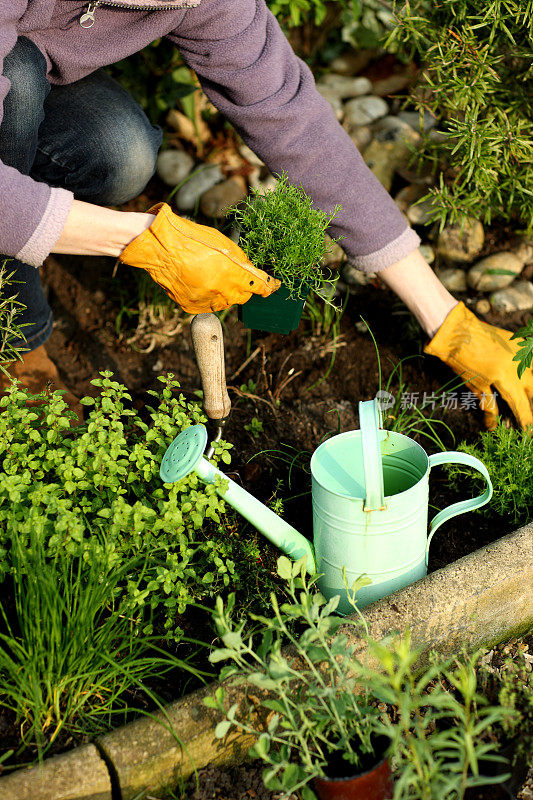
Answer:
(248, 71)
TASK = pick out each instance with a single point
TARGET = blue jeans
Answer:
(90, 137)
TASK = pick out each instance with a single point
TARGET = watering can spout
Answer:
(185, 455)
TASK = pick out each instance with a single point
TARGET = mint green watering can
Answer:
(370, 492)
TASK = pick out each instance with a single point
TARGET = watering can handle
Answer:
(370, 421)
(454, 457)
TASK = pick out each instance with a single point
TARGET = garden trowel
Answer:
(208, 343)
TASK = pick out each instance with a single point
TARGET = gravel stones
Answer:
(333, 99)
(393, 129)
(220, 198)
(383, 158)
(200, 182)
(456, 246)
(173, 166)
(518, 297)
(427, 252)
(344, 87)
(361, 136)
(247, 153)
(355, 278)
(409, 195)
(262, 181)
(483, 306)
(421, 213)
(494, 272)
(364, 110)
(524, 251)
(453, 278)
(392, 83)
(352, 62)
(412, 118)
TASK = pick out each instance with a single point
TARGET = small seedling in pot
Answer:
(282, 233)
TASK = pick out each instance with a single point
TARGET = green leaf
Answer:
(226, 457)
(221, 654)
(262, 746)
(284, 568)
(360, 583)
(222, 729)
(307, 793)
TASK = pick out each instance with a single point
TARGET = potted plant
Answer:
(283, 234)
(325, 723)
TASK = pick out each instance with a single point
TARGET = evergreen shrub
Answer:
(477, 78)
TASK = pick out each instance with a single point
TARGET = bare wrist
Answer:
(129, 225)
(98, 231)
(413, 280)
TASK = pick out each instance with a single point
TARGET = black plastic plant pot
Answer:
(496, 789)
(373, 782)
(277, 313)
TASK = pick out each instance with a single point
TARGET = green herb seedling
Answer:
(283, 234)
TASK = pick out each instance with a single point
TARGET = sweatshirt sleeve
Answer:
(251, 74)
(32, 215)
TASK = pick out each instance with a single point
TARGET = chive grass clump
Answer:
(283, 234)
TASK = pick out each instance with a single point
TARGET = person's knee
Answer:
(25, 68)
(122, 172)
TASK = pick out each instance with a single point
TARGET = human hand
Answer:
(197, 266)
(482, 355)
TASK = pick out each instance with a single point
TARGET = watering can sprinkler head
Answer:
(186, 454)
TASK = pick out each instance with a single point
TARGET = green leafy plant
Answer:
(74, 655)
(525, 352)
(283, 234)
(296, 12)
(255, 428)
(511, 684)
(10, 329)
(316, 698)
(69, 485)
(324, 319)
(476, 78)
(516, 693)
(508, 455)
(365, 23)
(316, 710)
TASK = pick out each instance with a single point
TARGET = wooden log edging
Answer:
(80, 774)
(477, 601)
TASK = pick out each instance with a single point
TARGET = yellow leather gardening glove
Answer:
(482, 355)
(197, 266)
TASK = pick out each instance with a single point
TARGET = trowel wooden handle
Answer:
(208, 343)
